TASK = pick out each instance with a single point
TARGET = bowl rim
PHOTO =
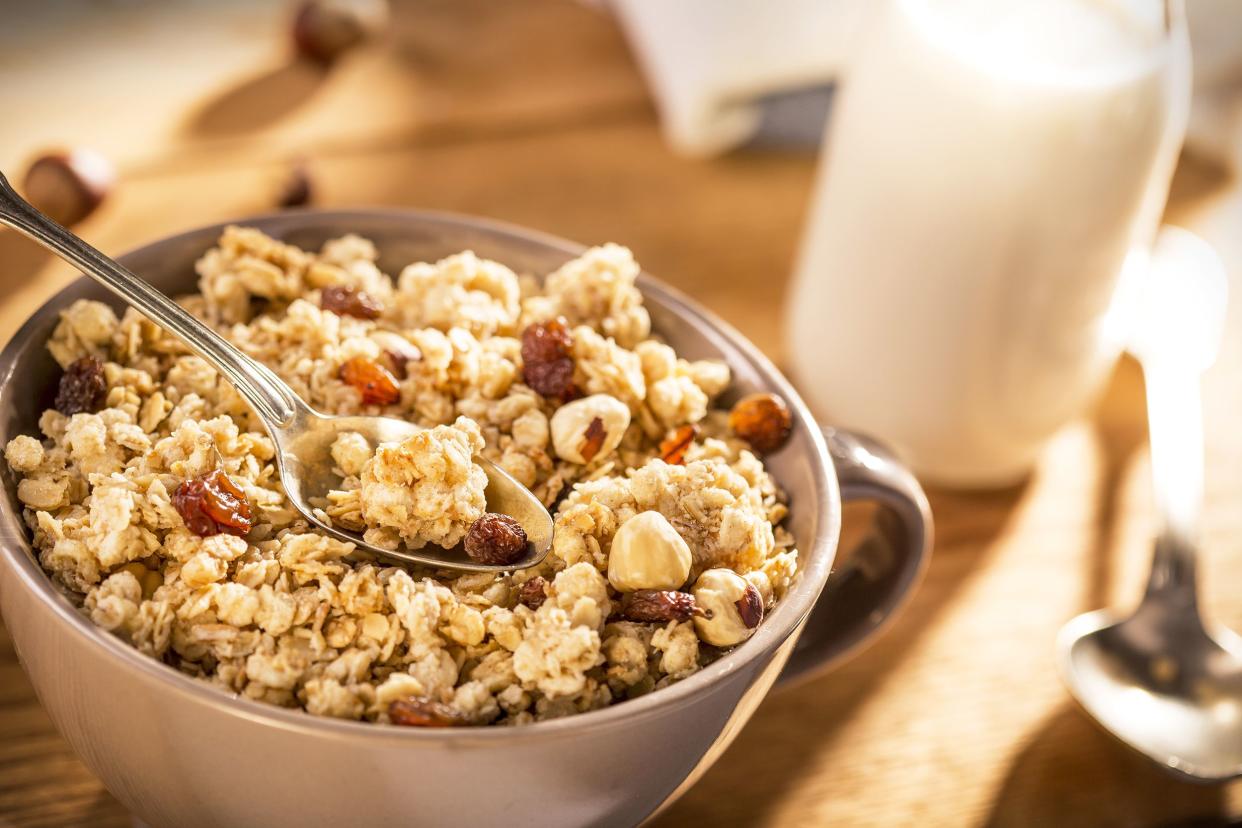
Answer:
(815, 556)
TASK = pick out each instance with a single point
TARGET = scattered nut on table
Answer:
(589, 428)
(734, 606)
(297, 189)
(647, 553)
(323, 30)
(68, 186)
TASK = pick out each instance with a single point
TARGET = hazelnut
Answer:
(588, 428)
(733, 606)
(396, 352)
(763, 420)
(647, 553)
(325, 30)
(297, 189)
(68, 186)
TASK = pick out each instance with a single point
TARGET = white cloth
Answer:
(711, 63)
(718, 67)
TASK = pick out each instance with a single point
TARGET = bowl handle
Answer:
(866, 592)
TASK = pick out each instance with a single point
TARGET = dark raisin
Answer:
(496, 540)
(347, 301)
(750, 607)
(373, 381)
(533, 593)
(655, 605)
(547, 366)
(211, 504)
(423, 712)
(82, 387)
(762, 420)
(673, 448)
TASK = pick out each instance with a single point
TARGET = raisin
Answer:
(373, 381)
(592, 440)
(533, 593)
(211, 504)
(82, 387)
(496, 539)
(547, 366)
(347, 301)
(659, 606)
(673, 448)
(423, 712)
(750, 607)
(762, 420)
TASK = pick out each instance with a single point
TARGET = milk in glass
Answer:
(988, 168)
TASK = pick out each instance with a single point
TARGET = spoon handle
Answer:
(274, 401)
(1175, 418)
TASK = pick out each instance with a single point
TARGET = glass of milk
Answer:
(990, 169)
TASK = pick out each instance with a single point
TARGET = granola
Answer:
(270, 609)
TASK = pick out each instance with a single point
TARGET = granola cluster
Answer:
(135, 489)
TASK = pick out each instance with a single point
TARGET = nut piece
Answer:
(762, 420)
(373, 381)
(424, 712)
(579, 438)
(660, 606)
(82, 387)
(496, 539)
(398, 352)
(323, 31)
(673, 447)
(647, 553)
(733, 603)
(68, 186)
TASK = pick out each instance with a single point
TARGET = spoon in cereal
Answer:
(303, 437)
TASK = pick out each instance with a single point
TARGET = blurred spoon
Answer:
(303, 436)
(1159, 680)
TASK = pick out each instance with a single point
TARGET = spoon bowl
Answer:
(1166, 688)
(304, 456)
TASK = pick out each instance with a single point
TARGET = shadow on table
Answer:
(257, 102)
(1071, 773)
(22, 259)
(778, 747)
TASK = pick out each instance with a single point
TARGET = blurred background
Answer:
(690, 132)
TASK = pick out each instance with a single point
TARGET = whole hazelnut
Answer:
(68, 186)
(589, 428)
(647, 553)
(323, 30)
(734, 607)
(297, 189)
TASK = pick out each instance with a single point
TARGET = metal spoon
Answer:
(303, 436)
(1159, 680)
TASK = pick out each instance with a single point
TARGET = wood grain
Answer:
(534, 113)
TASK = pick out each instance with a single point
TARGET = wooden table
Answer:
(535, 113)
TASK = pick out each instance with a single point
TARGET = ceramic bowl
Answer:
(180, 752)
